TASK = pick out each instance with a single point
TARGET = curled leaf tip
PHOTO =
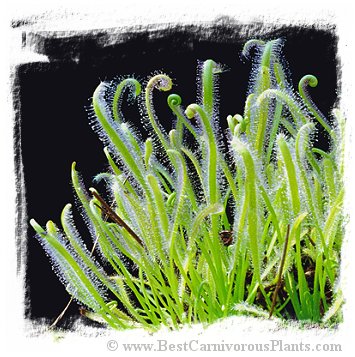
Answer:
(174, 100)
(249, 45)
(161, 82)
(190, 111)
(135, 90)
(308, 79)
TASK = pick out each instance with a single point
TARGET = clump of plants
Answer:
(199, 224)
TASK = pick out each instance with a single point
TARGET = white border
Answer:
(102, 14)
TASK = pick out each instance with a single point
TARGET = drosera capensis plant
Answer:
(194, 228)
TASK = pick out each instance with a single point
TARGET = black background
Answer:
(52, 128)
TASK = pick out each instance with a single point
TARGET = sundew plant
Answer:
(200, 223)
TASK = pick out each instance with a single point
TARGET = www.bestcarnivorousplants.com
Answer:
(197, 346)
